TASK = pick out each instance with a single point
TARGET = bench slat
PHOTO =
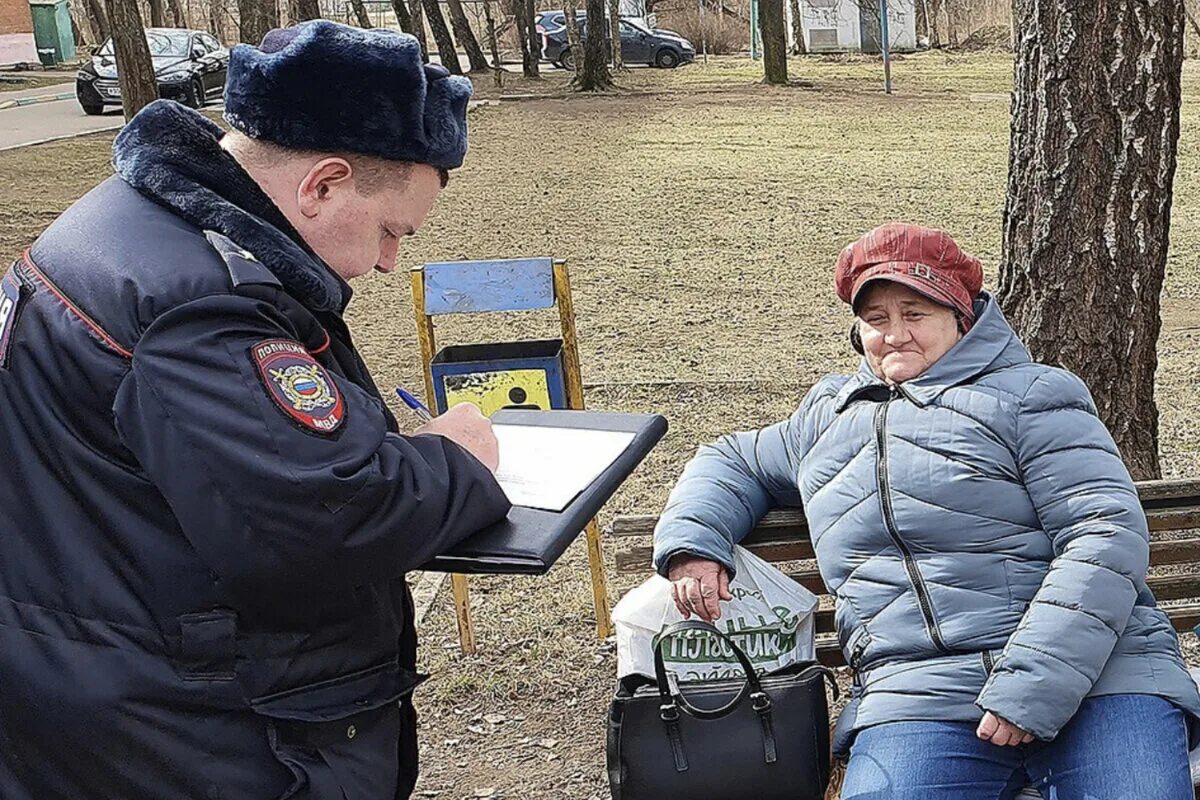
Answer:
(784, 524)
(638, 558)
(1167, 503)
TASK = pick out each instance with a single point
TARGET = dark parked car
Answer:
(639, 45)
(190, 67)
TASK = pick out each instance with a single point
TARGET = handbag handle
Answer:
(673, 696)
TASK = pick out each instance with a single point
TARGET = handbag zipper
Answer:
(889, 521)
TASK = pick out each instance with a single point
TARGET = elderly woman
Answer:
(983, 539)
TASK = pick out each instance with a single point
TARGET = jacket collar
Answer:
(173, 155)
(990, 345)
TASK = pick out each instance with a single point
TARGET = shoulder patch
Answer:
(244, 268)
(299, 385)
(13, 293)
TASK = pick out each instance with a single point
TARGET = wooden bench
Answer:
(1172, 509)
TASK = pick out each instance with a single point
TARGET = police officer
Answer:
(206, 510)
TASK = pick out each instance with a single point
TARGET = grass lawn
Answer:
(701, 214)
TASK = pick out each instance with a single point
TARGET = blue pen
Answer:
(416, 405)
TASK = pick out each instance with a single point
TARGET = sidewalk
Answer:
(44, 94)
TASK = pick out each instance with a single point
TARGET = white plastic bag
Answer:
(770, 618)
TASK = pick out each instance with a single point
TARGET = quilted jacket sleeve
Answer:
(1089, 507)
(727, 488)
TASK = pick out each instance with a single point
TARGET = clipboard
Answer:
(530, 540)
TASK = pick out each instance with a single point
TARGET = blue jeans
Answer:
(1122, 747)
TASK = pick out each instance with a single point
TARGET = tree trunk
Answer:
(591, 74)
(216, 19)
(135, 70)
(574, 40)
(466, 36)
(253, 22)
(1095, 124)
(774, 41)
(178, 18)
(798, 48)
(360, 14)
(952, 22)
(417, 12)
(304, 10)
(493, 43)
(535, 39)
(441, 35)
(157, 19)
(97, 19)
(935, 31)
(527, 37)
(403, 17)
(614, 32)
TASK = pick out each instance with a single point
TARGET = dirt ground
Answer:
(701, 214)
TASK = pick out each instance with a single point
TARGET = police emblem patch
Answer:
(299, 385)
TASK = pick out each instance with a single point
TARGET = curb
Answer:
(42, 98)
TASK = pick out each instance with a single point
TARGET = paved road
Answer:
(34, 123)
(28, 124)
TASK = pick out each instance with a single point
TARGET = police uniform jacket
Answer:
(206, 511)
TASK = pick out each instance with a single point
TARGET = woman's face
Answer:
(903, 333)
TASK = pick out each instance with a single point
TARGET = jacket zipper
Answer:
(988, 661)
(889, 519)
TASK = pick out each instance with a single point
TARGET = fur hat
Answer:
(332, 88)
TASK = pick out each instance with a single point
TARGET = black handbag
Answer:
(761, 738)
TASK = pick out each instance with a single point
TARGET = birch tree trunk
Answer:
(1095, 125)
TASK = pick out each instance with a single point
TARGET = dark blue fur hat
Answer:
(332, 88)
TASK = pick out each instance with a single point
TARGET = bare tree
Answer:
(1095, 128)
(360, 14)
(774, 41)
(527, 38)
(466, 36)
(403, 16)
(535, 40)
(157, 19)
(216, 19)
(178, 18)
(441, 35)
(614, 33)
(97, 19)
(253, 20)
(304, 10)
(417, 12)
(135, 70)
(592, 73)
(798, 48)
(493, 43)
(574, 41)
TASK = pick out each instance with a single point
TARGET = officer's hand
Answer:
(466, 427)
(697, 586)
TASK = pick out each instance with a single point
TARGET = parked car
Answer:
(639, 45)
(190, 67)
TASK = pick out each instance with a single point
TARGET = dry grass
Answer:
(701, 224)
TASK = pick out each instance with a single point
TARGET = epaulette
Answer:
(243, 267)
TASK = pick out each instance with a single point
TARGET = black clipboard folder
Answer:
(530, 540)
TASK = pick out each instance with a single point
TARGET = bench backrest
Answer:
(1172, 510)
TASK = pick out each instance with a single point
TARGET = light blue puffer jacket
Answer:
(982, 537)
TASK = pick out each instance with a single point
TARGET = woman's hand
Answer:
(999, 731)
(697, 586)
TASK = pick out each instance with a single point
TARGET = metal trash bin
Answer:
(52, 34)
(504, 375)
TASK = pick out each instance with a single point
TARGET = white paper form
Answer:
(544, 467)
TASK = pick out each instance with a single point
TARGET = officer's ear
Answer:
(325, 182)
